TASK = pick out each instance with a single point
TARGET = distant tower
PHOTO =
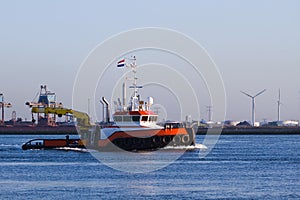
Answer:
(14, 116)
(209, 110)
(253, 103)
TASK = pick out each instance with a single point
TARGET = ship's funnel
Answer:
(103, 108)
(107, 109)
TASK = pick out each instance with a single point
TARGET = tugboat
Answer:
(134, 127)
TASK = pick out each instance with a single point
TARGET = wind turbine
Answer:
(278, 108)
(253, 103)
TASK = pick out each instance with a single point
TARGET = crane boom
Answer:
(82, 118)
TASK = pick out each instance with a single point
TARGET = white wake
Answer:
(190, 148)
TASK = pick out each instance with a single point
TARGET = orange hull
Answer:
(142, 134)
(142, 139)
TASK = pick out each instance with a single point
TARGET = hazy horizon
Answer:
(255, 45)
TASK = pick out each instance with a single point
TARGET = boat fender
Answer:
(148, 142)
(142, 141)
(185, 139)
(176, 140)
(166, 139)
(136, 141)
(127, 143)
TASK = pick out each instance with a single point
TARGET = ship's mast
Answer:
(135, 99)
(134, 104)
(124, 96)
(133, 68)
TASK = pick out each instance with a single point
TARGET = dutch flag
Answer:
(121, 63)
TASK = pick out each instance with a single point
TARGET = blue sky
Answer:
(255, 45)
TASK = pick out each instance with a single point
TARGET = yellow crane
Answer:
(82, 118)
(47, 105)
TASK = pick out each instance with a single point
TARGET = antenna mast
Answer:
(135, 98)
(209, 109)
(133, 68)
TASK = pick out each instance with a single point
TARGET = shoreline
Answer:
(38, 130)
(71, 130)
(252, 131)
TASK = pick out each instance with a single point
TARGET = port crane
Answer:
(82, 118)
(3, 105)
(47, 105)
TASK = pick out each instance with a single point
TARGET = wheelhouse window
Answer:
(144, 118)
(135, 118)
(174, 125)
(153, 118)
(150, 118)
(118, 118)
(126, 119)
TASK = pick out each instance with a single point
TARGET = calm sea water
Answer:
(239, 167)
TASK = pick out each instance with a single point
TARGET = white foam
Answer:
(188, 148)
(10, 145)
(72, 149)
(191, 147)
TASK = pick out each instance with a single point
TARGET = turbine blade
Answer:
(260, 93)
(246, 94)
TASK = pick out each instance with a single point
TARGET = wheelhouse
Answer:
(137, 117)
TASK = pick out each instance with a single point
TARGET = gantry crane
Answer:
(47, 105)
(3, 105)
